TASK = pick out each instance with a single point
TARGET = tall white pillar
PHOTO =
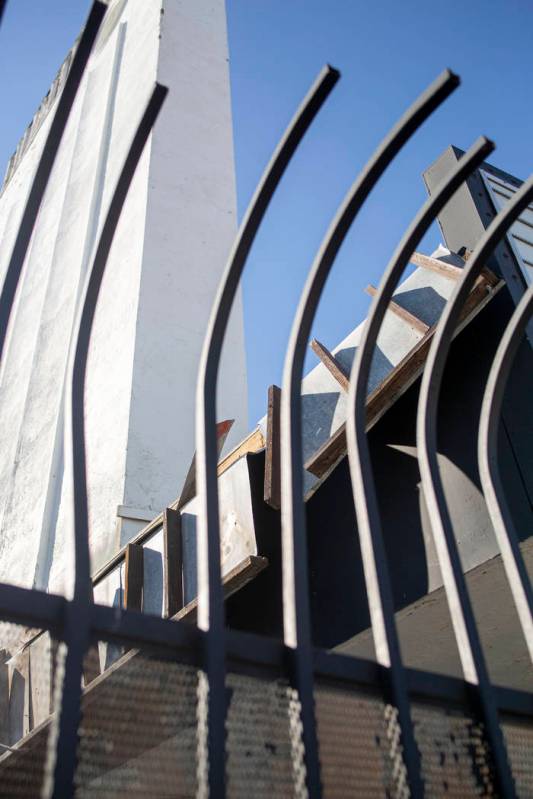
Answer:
(170, 247)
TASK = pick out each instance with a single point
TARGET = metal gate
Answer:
(207, 711)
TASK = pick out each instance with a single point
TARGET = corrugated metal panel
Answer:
(520, 236)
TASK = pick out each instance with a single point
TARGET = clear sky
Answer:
(387, 52)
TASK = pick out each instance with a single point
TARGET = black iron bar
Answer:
(461, 611)
(32, 608)
(489, 469)
(46, 163)
(63, 739)
(379, 589)
(183, 642)
(210, 599)
(294, 544)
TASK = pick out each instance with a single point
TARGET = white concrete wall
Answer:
(191, 224)
(170, 247)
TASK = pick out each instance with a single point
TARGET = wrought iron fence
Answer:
(342, 725)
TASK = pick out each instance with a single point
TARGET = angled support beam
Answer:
(172, 563)
(272, 486)
(331, 363)
(402, 313)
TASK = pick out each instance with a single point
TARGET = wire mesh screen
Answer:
(139, 731)
(518, 734)
(26, 688)
(354, 740)
(455, 758)
(137, 735)
(259, 730)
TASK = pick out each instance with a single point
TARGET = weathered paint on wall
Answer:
(170, 247)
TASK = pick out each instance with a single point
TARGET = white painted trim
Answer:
(137, 514)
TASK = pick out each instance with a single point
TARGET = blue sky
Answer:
(387, 53)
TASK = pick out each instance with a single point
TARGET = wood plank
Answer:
(332, 364)
(254, 442)
(233, 581)
(133, 577)
(395, 384)
(19, 707)
(451, 271)
(435, 265)
(402, 313)
(42, 651)
(172, 563)
(272, 483)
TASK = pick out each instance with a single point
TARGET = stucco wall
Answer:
(170, 247)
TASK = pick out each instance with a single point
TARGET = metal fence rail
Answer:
(489, 470)
(295, 582)
(368, 515)
(77, 622)
(210, 600)
(461, 611)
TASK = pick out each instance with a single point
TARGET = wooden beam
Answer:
(435, 265)
(133, 577)
(272, 483)
(253, 442)
(395, 384)
(402, 313)
(451, 271)
(172, 563)
(234, 580)
(332, 364)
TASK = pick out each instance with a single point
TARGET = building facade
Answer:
(170, 247)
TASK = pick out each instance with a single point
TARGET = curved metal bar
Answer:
(210, 598)
(489, 469)
(296, 613)
(44, 168)
(374, 555)
(64, 733)
(462, 615)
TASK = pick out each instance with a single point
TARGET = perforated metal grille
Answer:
(139, 733)
(26, 668)
(518, 736)
(455, 757)
(259, 738)
(138, 730)
(355, 748)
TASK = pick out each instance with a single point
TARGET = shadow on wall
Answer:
(319, 409)
(425, 303)
(338, 591)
